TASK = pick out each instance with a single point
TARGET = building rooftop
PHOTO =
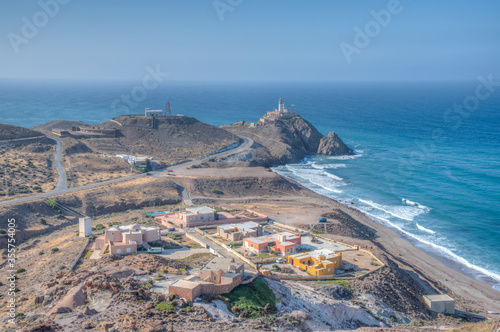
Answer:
(439, 297)
(187, 284)
(243, 227)
(221, 263)
(259, 240)
(286, 243)
(316, 253)
(230, 275)
(199, 209)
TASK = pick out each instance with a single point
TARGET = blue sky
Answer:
(257, 40)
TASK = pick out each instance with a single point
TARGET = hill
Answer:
(169, 140)
(286, 141)
(14, 132)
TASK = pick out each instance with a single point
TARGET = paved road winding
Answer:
(62, 180)
(62, 184)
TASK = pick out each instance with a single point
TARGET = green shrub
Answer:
(20, 270)
(40, 253)
(251, 300)
(55, 249)
(42, 221)
(52, 203)
(216, 191)
(165, 306)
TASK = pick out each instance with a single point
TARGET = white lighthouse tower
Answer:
(281, 106)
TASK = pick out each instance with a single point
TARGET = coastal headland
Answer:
(182, 154)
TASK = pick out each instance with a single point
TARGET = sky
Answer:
(249, 40)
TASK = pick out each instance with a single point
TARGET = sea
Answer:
(427, 154)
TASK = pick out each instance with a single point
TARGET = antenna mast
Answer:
(168, 111)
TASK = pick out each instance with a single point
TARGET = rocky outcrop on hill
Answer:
(332, 145)
(284, 141)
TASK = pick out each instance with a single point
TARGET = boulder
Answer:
(299, 316)
(332, 145)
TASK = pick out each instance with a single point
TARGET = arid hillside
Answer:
(15, 132)
(170, 140)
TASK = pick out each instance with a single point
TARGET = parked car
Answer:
(323, 219)
(171, 229)
(170, 171)
(280, 261)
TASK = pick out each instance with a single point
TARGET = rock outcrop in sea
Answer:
(332, 145)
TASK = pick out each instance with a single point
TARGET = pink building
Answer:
(218, 276)
(123, 240)
(285, 243)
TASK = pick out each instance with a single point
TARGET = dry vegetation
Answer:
(26, 169)
(83, 166)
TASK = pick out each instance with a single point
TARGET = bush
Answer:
(55, 249)
(20, 270)
(42, 221)
(251, 300)
(98, 227)
(52, 203)
(165, 306)
(40, 253)
(217, 192)
(87, 254)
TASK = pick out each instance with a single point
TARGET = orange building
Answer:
(319, 262)
(285, 243)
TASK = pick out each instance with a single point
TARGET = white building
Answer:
(85, 227)
(153, 113)
(441, 303)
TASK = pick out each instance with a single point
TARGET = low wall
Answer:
(295, 229)
(237, 254)
(225, 221)
(72, 266)
(373, 256)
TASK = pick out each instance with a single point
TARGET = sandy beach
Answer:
(304, 209)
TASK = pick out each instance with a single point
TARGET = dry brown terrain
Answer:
(84, 166)
(298, 206)
(26, 169)
(408, 273)
(9, 132)
(170, 140)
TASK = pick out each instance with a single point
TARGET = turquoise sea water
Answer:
(434, 176)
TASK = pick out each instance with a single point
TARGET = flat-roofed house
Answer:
(285, 243)
(237, 232)
(318, 262)
(219, 276)
(197, 214)
(123, 240)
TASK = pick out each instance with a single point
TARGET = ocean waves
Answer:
(330, 176)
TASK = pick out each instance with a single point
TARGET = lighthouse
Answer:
(281, 106)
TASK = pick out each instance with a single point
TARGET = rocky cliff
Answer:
(332, 145)
(285, 141)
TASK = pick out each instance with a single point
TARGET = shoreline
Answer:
(402, 250)
(439, 252)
